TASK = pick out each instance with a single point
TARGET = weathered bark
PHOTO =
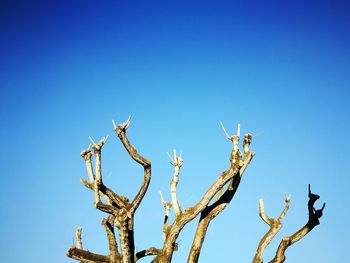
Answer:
(114, 255)
(222, 199)
(83, 255)
(120, 130)
(125, 217)
(191, 213)
(314, 216)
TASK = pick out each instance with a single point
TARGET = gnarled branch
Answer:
(314, 216)
(222, 199)
(121, 132)
(84, 255)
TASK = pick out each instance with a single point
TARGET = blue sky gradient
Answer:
(280, 68)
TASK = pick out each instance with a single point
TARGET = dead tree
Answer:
(275, 225)
(120, 211)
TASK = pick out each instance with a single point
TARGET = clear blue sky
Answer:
(280, 68)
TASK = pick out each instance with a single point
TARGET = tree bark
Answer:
(222, 199)
(275, 225)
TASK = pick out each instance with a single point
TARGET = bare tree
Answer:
(121, 210)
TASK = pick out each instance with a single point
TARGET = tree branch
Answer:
(120, 210)
(222, 199)
(110, 196)
(275, 225)
(83, 255)
(121, 132)
(146, 252)
(78, 238)
(112, 242)
(177, 163)
(86, 154)
(97, 151)
(314, 216)
(191, 213)
(167, 206)
(180, 221)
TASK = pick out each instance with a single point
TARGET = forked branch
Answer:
(176, 161)
(223, 198)
(167, 206)
(121, 132)
(120, 211)
(314, 216)
(275, 225)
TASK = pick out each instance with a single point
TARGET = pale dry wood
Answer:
(97, 151)
(275, 225)
(190, 213)
(78, 238)
(222, 198)
(223, 127)
(167, 206)
(97, 183)
(86, 154)
(177, 163)
(236, 163)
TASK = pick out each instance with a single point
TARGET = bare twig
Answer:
(91, 140)
(114, 125)
(222, 126)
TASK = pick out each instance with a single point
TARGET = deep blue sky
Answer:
(280, 68)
